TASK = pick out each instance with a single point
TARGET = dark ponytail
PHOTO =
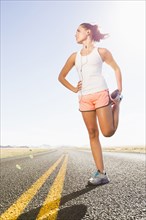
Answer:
(95, 33)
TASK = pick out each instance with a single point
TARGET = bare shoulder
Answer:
(70, 62)
(107, 57)
(104, 53)
(72, 57)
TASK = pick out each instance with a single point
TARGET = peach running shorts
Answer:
(94, 101)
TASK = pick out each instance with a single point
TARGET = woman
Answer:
(94, 99)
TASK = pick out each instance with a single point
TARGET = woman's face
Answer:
(81, 34)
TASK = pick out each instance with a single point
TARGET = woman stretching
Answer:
(95, 102)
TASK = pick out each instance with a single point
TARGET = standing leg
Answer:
(92, 127)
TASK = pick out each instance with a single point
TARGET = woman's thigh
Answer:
(105, 119)
(90, 120)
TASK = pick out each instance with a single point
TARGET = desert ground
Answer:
(13, 152)
(18, 151)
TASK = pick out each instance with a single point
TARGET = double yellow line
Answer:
(50, 206)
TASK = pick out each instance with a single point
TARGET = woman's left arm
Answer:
(108, 58)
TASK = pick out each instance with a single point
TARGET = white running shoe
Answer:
(98, 179)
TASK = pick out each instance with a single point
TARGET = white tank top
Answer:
(89, 69)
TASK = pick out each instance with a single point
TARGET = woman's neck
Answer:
(87, 46)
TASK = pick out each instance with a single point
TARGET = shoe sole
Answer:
(102, 182)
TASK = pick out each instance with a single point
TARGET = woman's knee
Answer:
(93, 132)
(108, 132)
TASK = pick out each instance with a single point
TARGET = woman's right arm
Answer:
(65, 70)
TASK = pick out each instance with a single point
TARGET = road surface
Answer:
(53, 186)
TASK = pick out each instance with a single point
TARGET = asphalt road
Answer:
(53, 186)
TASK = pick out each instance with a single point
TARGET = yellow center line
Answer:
(13, 212)
(50, 206)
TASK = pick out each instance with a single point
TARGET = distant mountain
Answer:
(9, 146)
(39, 146)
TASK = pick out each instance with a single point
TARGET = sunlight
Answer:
(131, 20)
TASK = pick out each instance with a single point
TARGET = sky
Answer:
(37, 37)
